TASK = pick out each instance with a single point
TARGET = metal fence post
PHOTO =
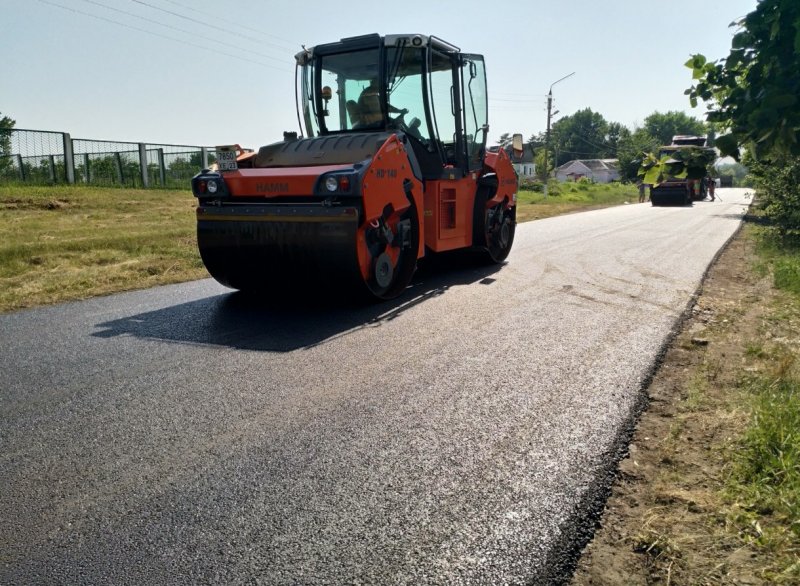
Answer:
(120, 176)
(86, 178)
(204, 157)
(162, 172)
(143, 164)
(51, 160)
(69, 161)
(21, 169)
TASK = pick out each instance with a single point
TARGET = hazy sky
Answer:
(220, 72)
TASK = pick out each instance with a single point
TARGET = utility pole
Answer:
(547, 135)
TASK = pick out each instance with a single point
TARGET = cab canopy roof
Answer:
(688, 140)
(373, 41)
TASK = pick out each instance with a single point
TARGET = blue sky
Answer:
(204, 72)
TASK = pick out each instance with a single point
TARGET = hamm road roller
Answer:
(393, 166)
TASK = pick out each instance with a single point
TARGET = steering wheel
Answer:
(412, 128)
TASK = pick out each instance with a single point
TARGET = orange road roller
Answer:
(393, 166)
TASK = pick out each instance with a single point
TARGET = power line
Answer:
(290, 44)
(201, 22)
(595, 145)
(122, 24)
(125, 12)
(521, 100)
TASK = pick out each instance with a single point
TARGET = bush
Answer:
(534, 185)
(778, 185)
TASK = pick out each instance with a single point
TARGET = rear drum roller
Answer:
(394, 258)
(494, 229)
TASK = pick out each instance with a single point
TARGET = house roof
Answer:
(527, 156)
(593, 164)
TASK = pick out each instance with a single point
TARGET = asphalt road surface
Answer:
(466, 433)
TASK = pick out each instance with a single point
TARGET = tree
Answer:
(504, 142)
(736, 171)
(631, 150)
(663, 126)
(536, 141)
(544, 166)
(6, 126)
(616, 132)
(583, 135)
(753, 93)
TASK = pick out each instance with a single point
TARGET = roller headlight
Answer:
(331, 183)
(206, 185)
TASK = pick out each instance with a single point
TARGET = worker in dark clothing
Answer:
(369, 105)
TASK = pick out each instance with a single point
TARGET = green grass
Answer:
(781, 257)
(70, 242)
(771, 455)
(564, 198)
(764, 475)
(765, 480)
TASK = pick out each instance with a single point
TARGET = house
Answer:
(524, 165)
(597, 170)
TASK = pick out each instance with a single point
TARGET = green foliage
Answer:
(736, 171)
(777, 181)
(768, 466)
(536, 141)
(570, 197)
(631, 151)
(781, 259)
(616, 133)
(6, 126)
(655, 170)
(504, 142)
(544, 167)
(753, 93)
(684, 163)
(534, 185)
(663, 126)
(787, 275)
(583, 135)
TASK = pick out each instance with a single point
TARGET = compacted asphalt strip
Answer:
(465, 433)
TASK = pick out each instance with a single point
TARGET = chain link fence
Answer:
(44, 157)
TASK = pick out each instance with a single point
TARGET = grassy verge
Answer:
(763, 487)
(565, 198)
(59, 243)
(71, 242)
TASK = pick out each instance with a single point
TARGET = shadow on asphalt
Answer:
(299, 319)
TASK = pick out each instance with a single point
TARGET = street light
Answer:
(547, 136)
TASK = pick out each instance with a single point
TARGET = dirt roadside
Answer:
(666, 521)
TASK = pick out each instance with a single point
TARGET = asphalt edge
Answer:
(578, 531)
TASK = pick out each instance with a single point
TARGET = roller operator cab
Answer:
(394, 166)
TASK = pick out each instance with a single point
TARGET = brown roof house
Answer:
(598, 170)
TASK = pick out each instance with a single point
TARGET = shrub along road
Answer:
(467, 432)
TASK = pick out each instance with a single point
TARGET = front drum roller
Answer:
(258, 248)
(280, 248)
